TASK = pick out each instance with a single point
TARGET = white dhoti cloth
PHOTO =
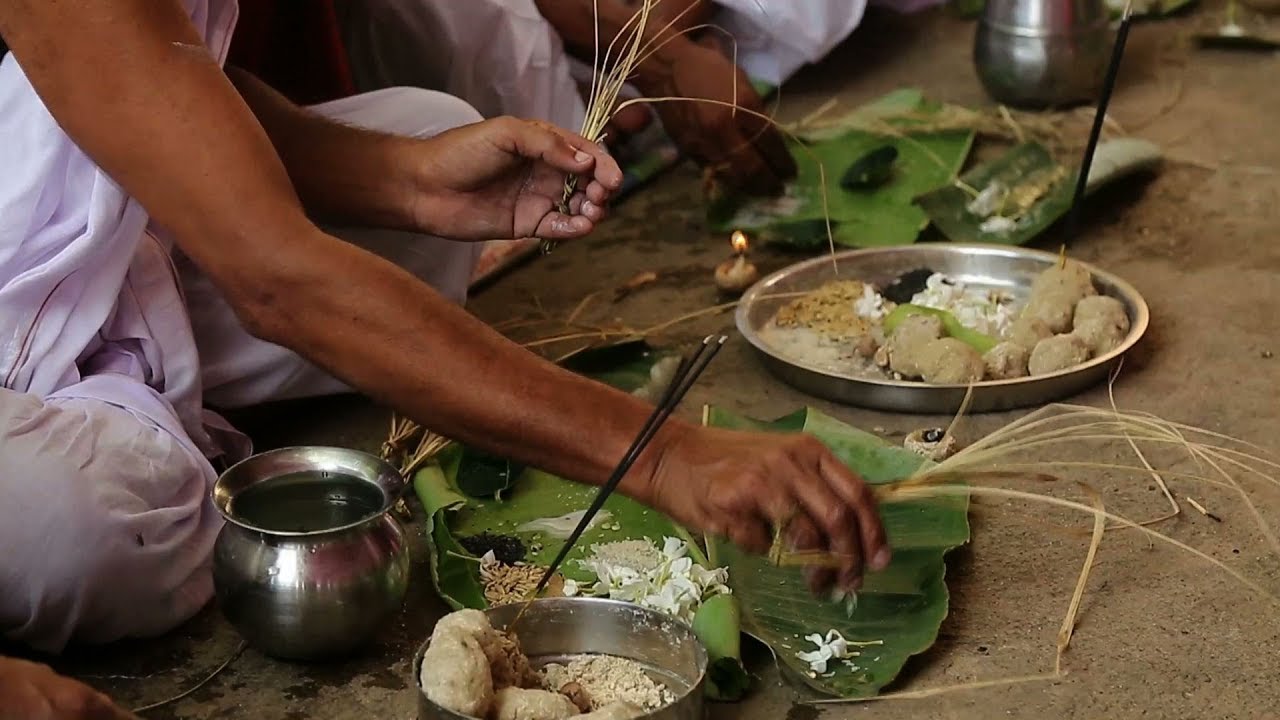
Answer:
(505, 59)
(105, 444)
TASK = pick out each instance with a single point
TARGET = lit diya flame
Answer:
(736, 274)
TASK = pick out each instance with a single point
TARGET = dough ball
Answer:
(1070, 277)
(1102, 323)
(467, 622)
(1006, 361)
(614, 711)
(1028, 331)
(949, 361)
(1057, 353)
(508, 665)
(455, 673)
(1054, 308)
(1101, 307)
(1054, 294)
(908, 340)
(518, 704)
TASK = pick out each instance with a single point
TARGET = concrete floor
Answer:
(1161, 635)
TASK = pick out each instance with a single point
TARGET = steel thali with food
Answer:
(995, 267)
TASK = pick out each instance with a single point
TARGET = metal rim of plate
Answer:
(882, 265)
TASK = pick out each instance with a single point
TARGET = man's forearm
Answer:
(399, 342)
(344, 175)
(172, 130)
(131, 82)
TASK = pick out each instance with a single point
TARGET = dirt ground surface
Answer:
(1161, 633)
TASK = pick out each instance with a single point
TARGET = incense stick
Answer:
(686, 375)
(1099, 117)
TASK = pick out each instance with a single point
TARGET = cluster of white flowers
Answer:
(988, 205)
(676, 585)
(871, 305)
(989, 201)
(832, 647)
(987, 311)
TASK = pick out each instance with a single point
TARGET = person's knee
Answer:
(112, 517)
(414, 112)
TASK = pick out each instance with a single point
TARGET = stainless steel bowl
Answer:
(1010, 269)
(310, 591)
(555, 629)
(1043, 53)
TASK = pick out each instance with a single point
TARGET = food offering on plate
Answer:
(475, 670)
(931, 328)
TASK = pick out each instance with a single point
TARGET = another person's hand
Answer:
(29, 691)
(742, 150)
(742, 485)
(504, 179)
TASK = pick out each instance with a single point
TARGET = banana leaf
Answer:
(902, 607)
(455, 577)
(1113, 160)
(883, 216)
(467, 493)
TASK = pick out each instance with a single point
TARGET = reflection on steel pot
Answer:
(1043, 53)
(310, 564)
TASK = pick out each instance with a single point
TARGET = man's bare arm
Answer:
(343, 174)
(130, 82)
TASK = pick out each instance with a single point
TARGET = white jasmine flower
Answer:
(989, 200)
(831, 647)
(674, 548)
(998, 224)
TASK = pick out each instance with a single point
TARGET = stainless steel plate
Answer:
(1011, 269)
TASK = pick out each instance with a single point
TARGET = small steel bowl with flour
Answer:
(560, 636)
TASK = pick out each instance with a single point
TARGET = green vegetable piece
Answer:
(974, 339)
(871, 170)
(718, 625)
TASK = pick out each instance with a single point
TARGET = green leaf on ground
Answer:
(902, 608)
(448, 490)
(1024, 165)
(881, 216)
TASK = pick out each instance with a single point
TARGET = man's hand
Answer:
(35, 692)
(743, 150)
(742, 485)
(504, 178)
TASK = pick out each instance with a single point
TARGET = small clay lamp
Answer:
(735, 275)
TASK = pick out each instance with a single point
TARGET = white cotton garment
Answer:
(107, 345)
(776, 38)
(76, 273)
(104, 481)
(505, 59)
(500, 56)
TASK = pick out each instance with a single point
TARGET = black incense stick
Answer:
(1108, 86)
